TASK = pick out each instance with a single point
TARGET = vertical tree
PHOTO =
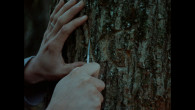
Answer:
(131, 40)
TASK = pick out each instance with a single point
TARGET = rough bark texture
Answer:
(131, 40)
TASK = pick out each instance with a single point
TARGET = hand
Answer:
(48, 63)
(78, 90)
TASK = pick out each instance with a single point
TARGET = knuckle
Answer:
(93, 90)
(85, 78)
(45, 35)
(100, 97)
(98, 101)
(65, 30)
(102, 84)
(46, 39)
(51, 47)
(51, 17)
(59, 20)
(55, 18)
(83, 81)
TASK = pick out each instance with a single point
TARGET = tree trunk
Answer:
(131, 40)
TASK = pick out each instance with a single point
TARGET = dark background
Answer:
(36, 17)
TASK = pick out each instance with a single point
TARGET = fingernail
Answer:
(75, 68)
(96, 65)
(84, 17)
(81, 3)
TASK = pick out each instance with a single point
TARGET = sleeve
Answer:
(33, 94)
(26, 60)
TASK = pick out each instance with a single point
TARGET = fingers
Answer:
(97, 98)
(67, 16)
(62, 15)
(67, 29)
(100, 96)
(99, 84)
(57, 8)
(69, 67)
(67, 6)
(91, 69)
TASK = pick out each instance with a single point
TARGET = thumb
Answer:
(91, 69)
(69, 67)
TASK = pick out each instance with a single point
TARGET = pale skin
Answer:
(78, 90)
(79, 87)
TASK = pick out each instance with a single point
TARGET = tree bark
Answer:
(131, 40)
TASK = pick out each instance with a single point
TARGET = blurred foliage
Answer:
(36, 17)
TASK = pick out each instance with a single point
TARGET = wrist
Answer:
(31, 75)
